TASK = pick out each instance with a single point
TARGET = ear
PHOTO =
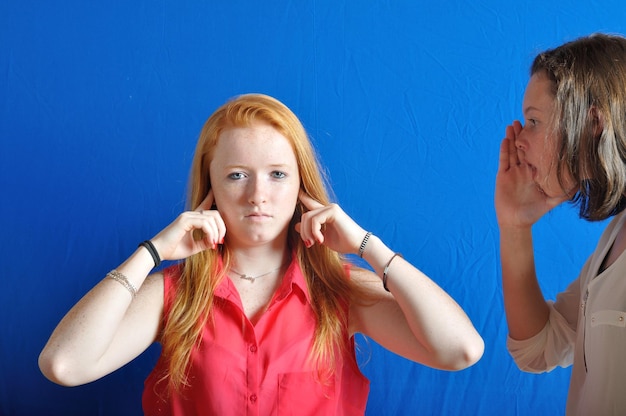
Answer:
(597, 121)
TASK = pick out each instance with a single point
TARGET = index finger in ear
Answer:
(207, 202)
(307, 201)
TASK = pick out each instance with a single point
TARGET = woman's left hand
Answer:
(329, 225)
(418, 320)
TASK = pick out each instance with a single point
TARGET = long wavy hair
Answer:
(589, 80)
(323, 268)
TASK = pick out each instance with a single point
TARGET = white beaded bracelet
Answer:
(123, 280)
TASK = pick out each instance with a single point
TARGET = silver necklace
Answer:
(253, 278)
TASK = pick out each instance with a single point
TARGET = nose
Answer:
(258, 191)
(520, 141)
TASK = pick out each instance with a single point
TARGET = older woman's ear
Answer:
(597, 120)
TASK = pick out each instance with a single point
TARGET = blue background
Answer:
(101, 104)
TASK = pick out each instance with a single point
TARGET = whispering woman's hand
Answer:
(519, 201)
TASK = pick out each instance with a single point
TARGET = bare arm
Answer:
(526, 309)
(417, 319)
(108, 328)
(519, 204)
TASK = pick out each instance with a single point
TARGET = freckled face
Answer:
(255, 181)
(538, 145)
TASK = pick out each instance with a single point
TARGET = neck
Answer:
(256, 261)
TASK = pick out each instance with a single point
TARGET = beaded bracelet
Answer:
(364, 243)
(153, 252)
(387, 269)
(123, 280)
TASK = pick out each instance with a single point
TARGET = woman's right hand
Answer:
(518, 200)
(107, 328)
(178, 240)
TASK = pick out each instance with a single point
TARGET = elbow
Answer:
(57, 370)
(473, 353)
(466, 354)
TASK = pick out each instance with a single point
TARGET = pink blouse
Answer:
(263, 369)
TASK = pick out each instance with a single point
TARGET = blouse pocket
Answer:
(608, 317)
(305, 394)
(302, 394)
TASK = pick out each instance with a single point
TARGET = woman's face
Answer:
(537, 142)
(255, 181)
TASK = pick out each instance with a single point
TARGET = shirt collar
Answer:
(294, 278)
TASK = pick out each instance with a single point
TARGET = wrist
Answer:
(519, 229)
(147, 244)
(364, 242)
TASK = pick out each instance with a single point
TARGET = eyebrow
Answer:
(241, 166)
(531, 108)
(280, 165)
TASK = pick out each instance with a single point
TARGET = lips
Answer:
(255, 213)
(258, 215)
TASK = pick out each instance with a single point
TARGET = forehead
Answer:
(539, 95)
(254, 142)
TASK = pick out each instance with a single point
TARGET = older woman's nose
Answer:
(521, 143)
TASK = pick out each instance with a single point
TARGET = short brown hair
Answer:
(589, 76)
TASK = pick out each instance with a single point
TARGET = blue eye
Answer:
(278, 175)
(236, 175)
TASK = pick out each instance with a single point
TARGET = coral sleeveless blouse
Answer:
(263, 369)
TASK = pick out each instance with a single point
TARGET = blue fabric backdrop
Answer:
(101, 103)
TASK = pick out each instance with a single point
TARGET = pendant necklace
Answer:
(253, 278)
